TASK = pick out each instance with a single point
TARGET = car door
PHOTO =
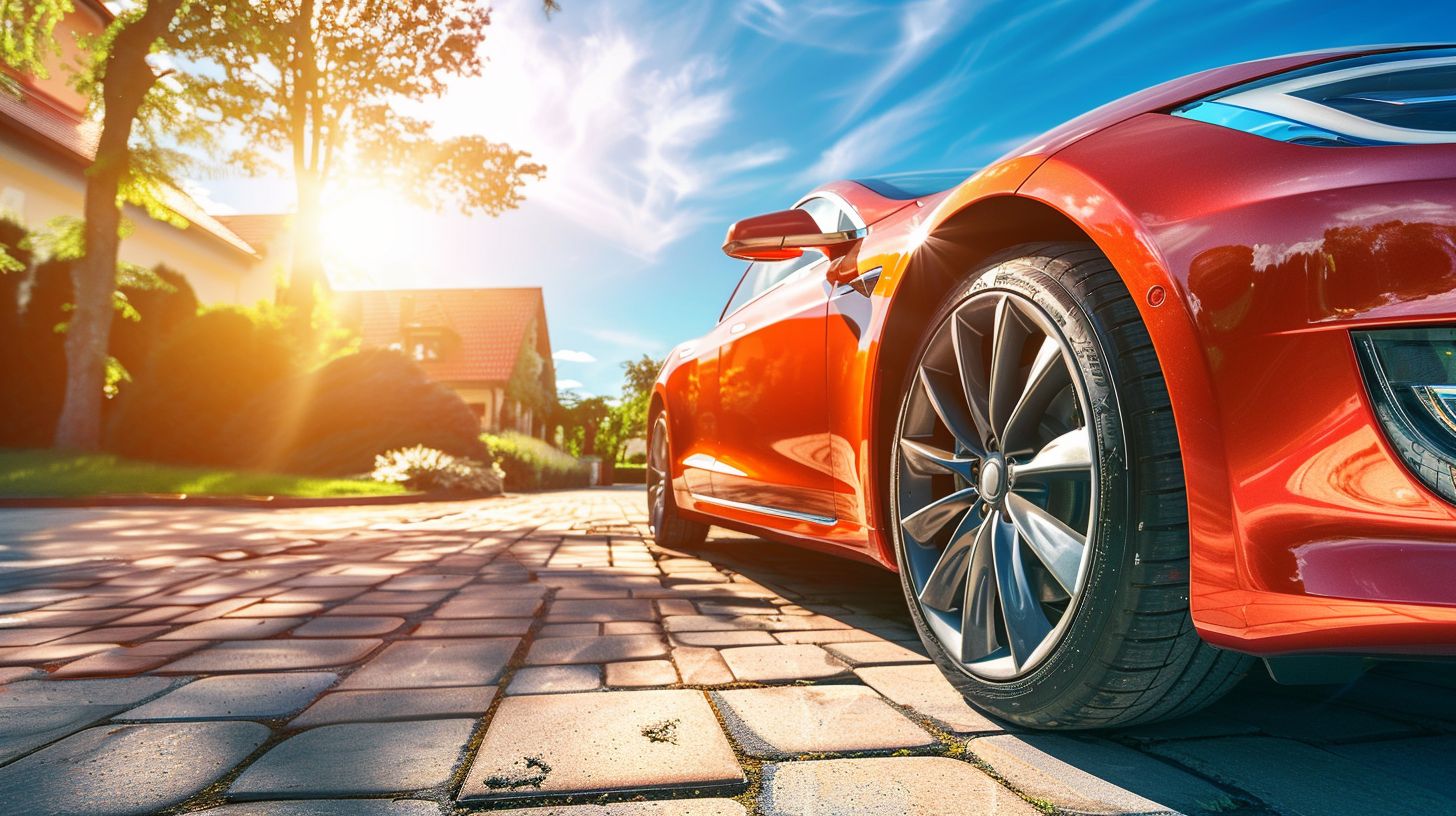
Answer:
(773, 401)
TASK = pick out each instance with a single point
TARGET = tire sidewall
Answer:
(1042, 696)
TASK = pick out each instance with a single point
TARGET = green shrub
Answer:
(624, 473)
(336, 419)
(34, 359)
(160, 310)
(182, 401)
(531, 464)
(421, 468)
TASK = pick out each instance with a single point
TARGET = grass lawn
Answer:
(47, 473)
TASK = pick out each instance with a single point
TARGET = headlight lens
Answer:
(1406, 97)
(1410, 375)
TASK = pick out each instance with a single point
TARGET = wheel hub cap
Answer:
(997, 488)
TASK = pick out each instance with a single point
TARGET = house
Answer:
(490, 346)
(46, 144)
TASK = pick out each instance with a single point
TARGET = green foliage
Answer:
(27, 32)
(526, 385)
(47, 473)
(156, 305)
(34, 357)
(531, 464)
(181, 402)
(336, 419)
(426, 469)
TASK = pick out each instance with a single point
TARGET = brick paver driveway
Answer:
(536, 651)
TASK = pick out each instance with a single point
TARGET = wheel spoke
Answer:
(927, 460)
(1069, 453)
(944, 392)
(923, 524)
(1007, 340)
(978, 608)
(946, 576)
(1048, 376)
(1026, 624)
(1058, 546)
(975, 384)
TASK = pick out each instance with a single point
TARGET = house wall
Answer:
(35, 188)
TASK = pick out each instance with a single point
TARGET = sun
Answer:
(370, 236)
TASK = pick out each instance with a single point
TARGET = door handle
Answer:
(737, 328)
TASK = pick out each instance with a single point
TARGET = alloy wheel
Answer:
(657, 474)
(997, 484)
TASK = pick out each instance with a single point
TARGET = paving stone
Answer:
(605, 649)
(386, 705)
(423, 663)
(720, 639)
(383, 597)
(827, 636)
(761, 623)
(50, 653)
(504, 607)
(906, 786)
(569, 630)
(236, 697)
(125, 769)
(123, 692)
(631, 628)
(641, 674)
(233, 629)
(1281, 715)
(113, 634)
(784, 722)
(426, 582)
(279, 609)
(668, 807)
(274, 655)
(1095, 777)
(779, 664)
(701, 666)
(601, 611)
(316, 594)
(369, 610)
(357, 758)
(25, 728)
(925, 691)
(480, 627)
(1299, 780)
(36, 635)
(1425, 761)
(555, 679)
(330, 807)
(127, 660)
(598, 742)
(874, 653)
(348, 626)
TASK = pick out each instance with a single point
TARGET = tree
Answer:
(120, 81)
(323, 83)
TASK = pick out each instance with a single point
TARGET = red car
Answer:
(1170, 387)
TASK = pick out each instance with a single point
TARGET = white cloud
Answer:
(569, 356)
(623, 112)
(567, 385)
(1108, 27)
(199, 193)
(883, 136)
(626, 340)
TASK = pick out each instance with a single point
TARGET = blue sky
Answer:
(663, 122)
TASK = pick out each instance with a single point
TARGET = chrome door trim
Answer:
(824, 521)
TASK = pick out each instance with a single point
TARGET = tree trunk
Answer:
(126, 80)
(305, 129)
(307, 271)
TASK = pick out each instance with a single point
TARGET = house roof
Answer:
(257, 229)
(32, 116)
(490, 324)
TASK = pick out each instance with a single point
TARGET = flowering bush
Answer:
(427, 469)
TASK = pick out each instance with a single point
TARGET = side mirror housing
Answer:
(783, 235)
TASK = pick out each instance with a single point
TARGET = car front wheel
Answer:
(1038, 491)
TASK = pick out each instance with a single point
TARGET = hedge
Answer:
(531, 464)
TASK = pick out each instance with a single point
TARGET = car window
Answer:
(763, 276)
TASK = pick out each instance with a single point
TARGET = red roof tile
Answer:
(490, 324)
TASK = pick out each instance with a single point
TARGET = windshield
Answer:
(915, 185)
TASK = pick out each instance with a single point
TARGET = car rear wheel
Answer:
(1038, 488)
(668, 528)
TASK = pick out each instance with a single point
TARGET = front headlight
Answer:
(1405, 97)
(1410, 375)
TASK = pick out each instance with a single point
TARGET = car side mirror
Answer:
(783, 235)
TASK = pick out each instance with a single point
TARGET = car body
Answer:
(1257, 264)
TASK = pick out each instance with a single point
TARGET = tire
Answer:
(668, 528)
(1049, 634)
